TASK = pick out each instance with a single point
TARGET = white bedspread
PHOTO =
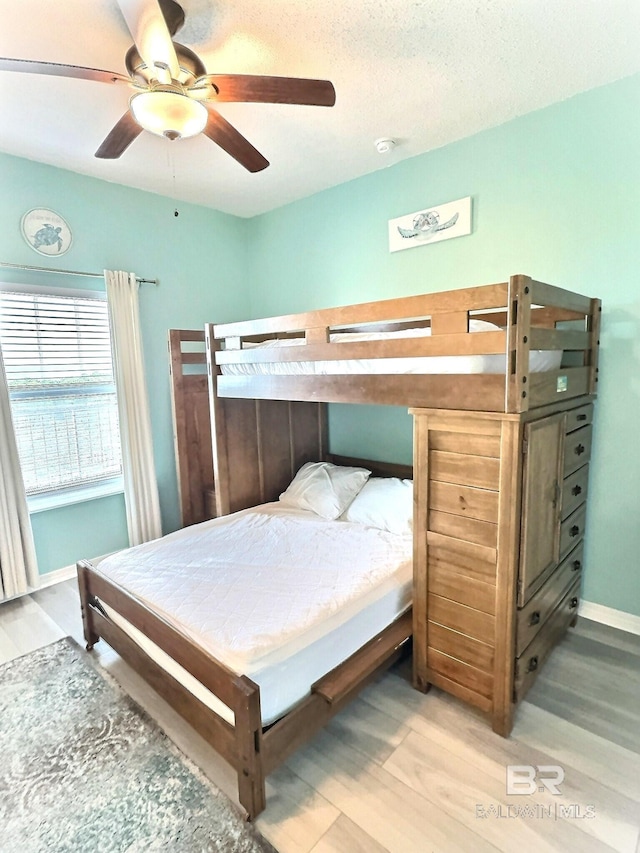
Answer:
(254, 587)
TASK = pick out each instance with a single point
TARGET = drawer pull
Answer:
(573, 603)
(576, 566)
(576, 490)
(575, 531)
(533, 664)
(534, 619)
(579, 449)
(581, 417)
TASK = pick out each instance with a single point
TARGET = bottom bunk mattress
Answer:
(277, 594)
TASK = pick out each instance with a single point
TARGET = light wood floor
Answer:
(402, 772)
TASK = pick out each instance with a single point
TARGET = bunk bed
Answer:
(500, 466)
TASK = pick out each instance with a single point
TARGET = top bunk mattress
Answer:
(539, 360)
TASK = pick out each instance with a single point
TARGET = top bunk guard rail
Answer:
(531, 316)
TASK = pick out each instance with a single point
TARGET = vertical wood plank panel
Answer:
(275, 448)
(507, 576)
(191, 427)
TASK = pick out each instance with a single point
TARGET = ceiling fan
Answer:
(174, 96)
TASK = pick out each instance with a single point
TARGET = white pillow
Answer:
(482, 326)
(386, 503)
(324, 488)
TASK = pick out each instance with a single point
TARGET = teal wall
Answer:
(200, 260)
(555, 196)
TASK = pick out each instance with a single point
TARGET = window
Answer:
(57, 354)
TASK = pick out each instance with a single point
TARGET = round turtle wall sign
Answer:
(46, 231)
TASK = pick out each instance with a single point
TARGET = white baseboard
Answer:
(57, 576)
(65, 573)
(608, 616)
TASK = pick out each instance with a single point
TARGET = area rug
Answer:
(83, 769)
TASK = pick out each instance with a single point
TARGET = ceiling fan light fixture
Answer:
(168, 111)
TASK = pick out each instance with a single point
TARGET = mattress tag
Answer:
(561, 384)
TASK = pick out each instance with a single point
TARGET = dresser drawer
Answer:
(572, 530)
(577, 418)
(574, 490)
(529, 663)
(577, 449)
(533, 616)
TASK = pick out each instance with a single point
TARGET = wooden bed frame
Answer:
(245, 437)
(252, 750)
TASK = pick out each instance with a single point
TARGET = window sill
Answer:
(68, 497)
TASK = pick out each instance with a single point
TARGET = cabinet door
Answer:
(541, 499)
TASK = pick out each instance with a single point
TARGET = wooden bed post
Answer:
(594, 343)
(191, 426)
(90, 634)
(250, 767)
(517, 374)
(420, 559)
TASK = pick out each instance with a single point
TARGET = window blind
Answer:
(57, 355)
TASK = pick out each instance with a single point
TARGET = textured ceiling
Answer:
(425, 72)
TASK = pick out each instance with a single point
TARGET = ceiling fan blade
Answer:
(59, 69)
(270, 90)
(233, 142)
(151, 35)
(173, 14)
(120, 138)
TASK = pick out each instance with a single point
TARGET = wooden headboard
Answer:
(259, 445)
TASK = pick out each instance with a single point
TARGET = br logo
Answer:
(531, 779)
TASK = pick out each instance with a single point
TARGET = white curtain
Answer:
(140, 485)
(18, 565)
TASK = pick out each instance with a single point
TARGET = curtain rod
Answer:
(153, 281)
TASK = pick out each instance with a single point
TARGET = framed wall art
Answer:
(430, 225)
(46, 231)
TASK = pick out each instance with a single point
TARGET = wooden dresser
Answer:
(500, 506)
